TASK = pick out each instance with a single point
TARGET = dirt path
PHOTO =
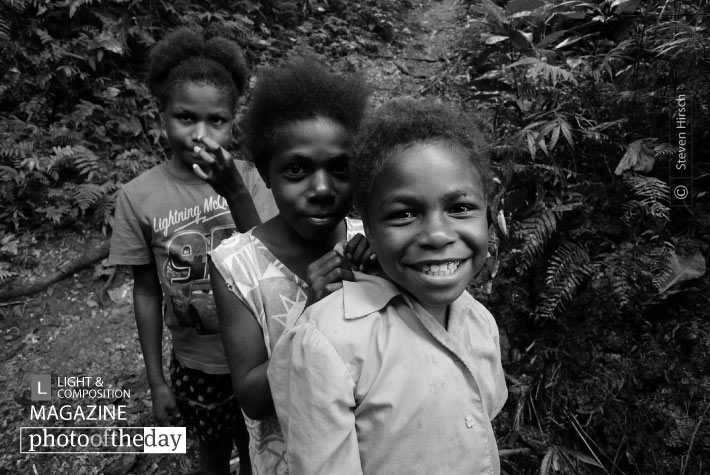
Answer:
(423, 65)
(67, 331)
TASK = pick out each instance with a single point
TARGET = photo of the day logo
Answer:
(40, 387)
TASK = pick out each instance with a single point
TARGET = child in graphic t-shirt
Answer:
(166, 221)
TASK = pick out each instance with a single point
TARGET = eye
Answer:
(219, 121)
(185, 118)
(340, 168)
(401, 216)
(462, 210)
(293, 170)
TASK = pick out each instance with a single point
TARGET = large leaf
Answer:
(626, 6)
(639, 157)
(683, 269)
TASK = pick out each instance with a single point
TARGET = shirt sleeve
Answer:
(260, 194)
(129, 245)
(313, 394)
(500, 388)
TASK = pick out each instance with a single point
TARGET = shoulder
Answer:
(351, 311)
(146, 183)
(477, 311)
(237, 244)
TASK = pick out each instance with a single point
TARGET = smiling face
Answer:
(308, 176)
(426, 220)
(194, 110)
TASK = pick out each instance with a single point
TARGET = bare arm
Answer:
(147, 302)
(246, 352)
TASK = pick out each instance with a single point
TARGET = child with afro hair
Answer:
(303, 90)
(401, 372)
(167, 219)
(298, 131)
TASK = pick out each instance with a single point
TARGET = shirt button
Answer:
(469, 422)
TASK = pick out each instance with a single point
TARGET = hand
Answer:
(326, 275)
(359, 254)
(165, 409)
(221, 172)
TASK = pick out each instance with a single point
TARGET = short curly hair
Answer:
(406, 121)
(184, 56)
(301, 90)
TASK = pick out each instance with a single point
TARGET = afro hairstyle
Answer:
(301, 90)
(185, 57)
(405, 121)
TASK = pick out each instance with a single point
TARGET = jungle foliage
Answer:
(76, 119)
(593, 275)
(606, 340)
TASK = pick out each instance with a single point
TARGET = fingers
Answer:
(359, 252)
(198, 171)
(325, 275)
(327, 263)
(330, 288)
(214, 150)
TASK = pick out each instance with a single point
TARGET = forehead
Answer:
(313, 132)
(191, 94)
(428, 170)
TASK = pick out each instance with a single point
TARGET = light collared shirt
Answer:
(368, 382)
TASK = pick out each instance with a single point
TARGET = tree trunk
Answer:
(23, 288)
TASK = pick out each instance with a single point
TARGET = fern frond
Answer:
(539, 70)
(88, 195)
(654, 194)
(16, 150)
(84, 160)
(566, 257)
(617, 273)
(662, 257)
(535, 232)
(567, 269)
(56, 213)
(5, 29)
(11, 125)
(6, 274)
(546, 171)
(8, 174)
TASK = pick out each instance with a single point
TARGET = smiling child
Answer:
(401, 373)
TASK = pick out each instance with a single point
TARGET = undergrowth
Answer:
(607, 337)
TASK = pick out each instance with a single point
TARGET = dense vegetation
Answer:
(608, 355)
(592, 267)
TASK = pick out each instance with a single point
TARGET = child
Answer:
(167, 219)
(298, 131)
(401, 374)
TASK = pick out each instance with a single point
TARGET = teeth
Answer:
(440, 270)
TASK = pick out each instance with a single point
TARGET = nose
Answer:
(198, 130)
(321, 186)
(436, 231)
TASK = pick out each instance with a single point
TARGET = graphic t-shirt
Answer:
(173, 223)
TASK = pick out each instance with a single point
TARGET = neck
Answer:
(292, 249)
(440, 314)
(179, 169)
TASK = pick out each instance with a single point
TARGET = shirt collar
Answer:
(366, 295)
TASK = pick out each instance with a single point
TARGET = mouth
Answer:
(321, 220)
(441, 269)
